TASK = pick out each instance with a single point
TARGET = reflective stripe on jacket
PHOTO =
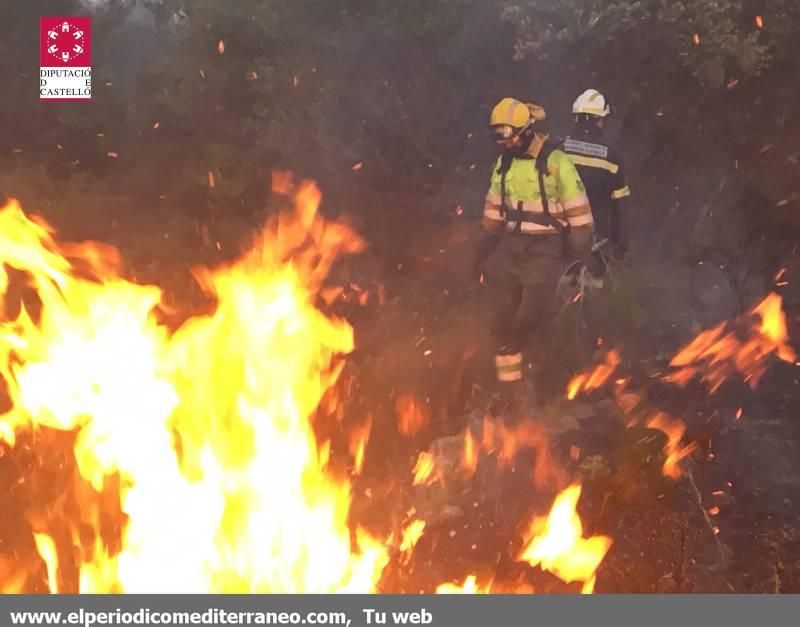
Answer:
(566, 196)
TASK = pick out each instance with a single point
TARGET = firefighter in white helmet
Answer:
(601, 170)
(536, 218)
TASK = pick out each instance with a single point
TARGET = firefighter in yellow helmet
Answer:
(536, 219)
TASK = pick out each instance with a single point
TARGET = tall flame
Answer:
(557, 545)
(194, 424)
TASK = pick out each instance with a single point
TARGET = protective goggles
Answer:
(501, 132)
(504, 132)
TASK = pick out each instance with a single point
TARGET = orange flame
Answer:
(194, 422)
(411, 418)
(596, 378)
(469, 461)
(411, 535)
(423, 470)
(557, 545)
(715, 356)
(506, 443)
(674, 451)
(204, 435)
(470, 586)
(12, 576)
(47, 549)
(358, 445)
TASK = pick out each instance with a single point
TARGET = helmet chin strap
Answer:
(526, 139)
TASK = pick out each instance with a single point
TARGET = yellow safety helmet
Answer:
(511, 117)
(591, 102)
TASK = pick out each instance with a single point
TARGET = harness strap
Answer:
(518, 215)
(505, 166)
(541, 167)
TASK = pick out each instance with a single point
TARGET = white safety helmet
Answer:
(591, 102)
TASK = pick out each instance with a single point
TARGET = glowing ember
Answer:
(715, 355)
(557, 545)
(192, 425)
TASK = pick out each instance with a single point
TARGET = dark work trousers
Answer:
(607, 225)
(523, 277)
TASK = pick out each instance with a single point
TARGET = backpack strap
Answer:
(505, 166)
(542, 171)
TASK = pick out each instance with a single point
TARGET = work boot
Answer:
(518, 397)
